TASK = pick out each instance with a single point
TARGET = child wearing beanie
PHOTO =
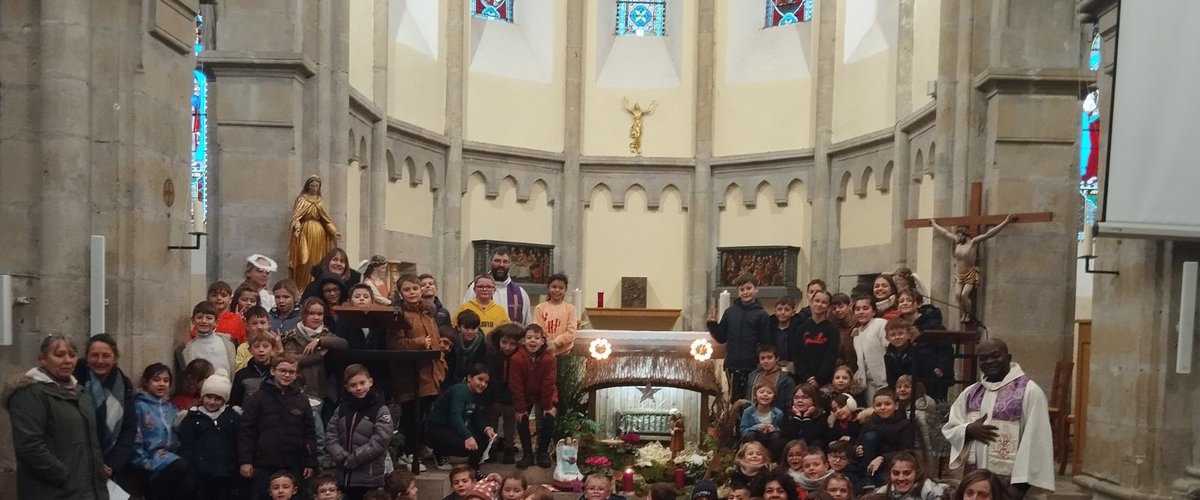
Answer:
(208, 439)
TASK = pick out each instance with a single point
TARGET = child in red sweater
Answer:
(532, 380)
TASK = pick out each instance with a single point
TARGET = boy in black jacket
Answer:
(278, 431)
(208, 440)
(743, 327)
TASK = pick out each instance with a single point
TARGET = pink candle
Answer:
(678, 477)
(627, 479)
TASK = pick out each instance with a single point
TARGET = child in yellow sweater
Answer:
(557, 317)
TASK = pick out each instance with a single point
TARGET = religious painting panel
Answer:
(769, 265)
(530, 263)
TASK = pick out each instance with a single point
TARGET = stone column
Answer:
(378, 178)
(901, 184)
(945, 116)
(64, 206)
(823, 260)
(1030, 81)
(450, 197)
(569, 212)
(702, 238)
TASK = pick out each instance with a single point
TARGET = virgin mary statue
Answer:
(313, 233)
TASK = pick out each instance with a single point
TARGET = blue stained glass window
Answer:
(784, 12)
(641, 18)
(198, 182)
(497, 10)
(1089, 137)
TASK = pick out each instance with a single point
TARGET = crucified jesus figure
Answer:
(966, 263)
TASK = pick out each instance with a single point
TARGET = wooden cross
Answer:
(975, 220)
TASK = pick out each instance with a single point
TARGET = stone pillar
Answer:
(450, 197)
(945, 118)
(901, 183)
(378, 178)
(823, 255)
(702, 238)
(1030, 82)
(569, 212)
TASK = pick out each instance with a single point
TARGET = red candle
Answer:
(600, 303)
(627, 479)
(679, 477)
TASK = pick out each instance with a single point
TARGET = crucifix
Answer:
(967, 239)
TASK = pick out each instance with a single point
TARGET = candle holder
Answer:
(195, 246)
(1087, 266)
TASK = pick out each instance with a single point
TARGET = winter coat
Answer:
(459, 360)
(895, 434)
(811, 430)
(278, 429)
(421, 334)
(499, 369)
(356, 439)
(330, 315)
(372, 339)
(742, 329)
(920, 360)
(313, 289)
(929, 317)
(533, 379)
(54, 440)
(210, 446)
(441, 315)
(117, 457)
(154, 447)
(314, 366)
(838, 429)
(749, 419)
(247, 381)
(784, 388)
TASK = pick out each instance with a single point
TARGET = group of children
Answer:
(800, 402)
(297, 406)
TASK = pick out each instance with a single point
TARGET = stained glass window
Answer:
(1089, 140)
(641, 18)
(784, 12)
(198, 184)
(498, 10)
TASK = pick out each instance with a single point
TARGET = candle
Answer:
(722, 304)
(577, 299)
(679, 478)
(600, 299)
(197, 217)
(1089, 241)
(627, 480)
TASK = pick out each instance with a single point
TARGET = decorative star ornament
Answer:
(648, 392)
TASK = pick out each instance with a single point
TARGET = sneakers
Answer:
(543, 460)
(407, 461)
(443, 463)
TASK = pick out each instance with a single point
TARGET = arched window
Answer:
(1089, 139)
(198, 184)
(496, 10)
(784, 12)
(641, 18)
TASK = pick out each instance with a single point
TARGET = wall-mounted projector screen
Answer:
(1152, 182)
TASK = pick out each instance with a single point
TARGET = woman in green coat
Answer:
(54, 430)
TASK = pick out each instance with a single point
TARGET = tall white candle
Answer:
(197, 217)
(577, 298)
(722, 304)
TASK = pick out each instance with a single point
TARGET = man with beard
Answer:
(1002, 424)
(509, 295)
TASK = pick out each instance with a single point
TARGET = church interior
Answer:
(650, 150)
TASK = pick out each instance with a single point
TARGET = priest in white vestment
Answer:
(1002, 423)
(511, 296)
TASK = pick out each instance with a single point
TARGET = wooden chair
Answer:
(1060, 418)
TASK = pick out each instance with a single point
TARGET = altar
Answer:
(634, 378)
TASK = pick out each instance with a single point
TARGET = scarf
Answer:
(41, 375)
(107, 399)
(214, 415)
(809, 484)
(304, 334)
(885, 304)
(516, 305)
(466, 353)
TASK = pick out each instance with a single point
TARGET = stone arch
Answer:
(844, 189)
(669, 189)
(363, 152)
(620, 202)
(730, 188)
(794, 184)
(529, 192)
(762, 185)
(599, 187)
(351, 145)
(884, 182)
(931, 159)
(864, 182)
(490, 190)
(918, 161)
(409, 168)
(393, 170)
(429, 172)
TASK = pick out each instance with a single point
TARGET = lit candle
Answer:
(679, 477)
(722, 304)
(600, 299)
(627, 480)
(577, 299)
(197, 217)
(1089, 241)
